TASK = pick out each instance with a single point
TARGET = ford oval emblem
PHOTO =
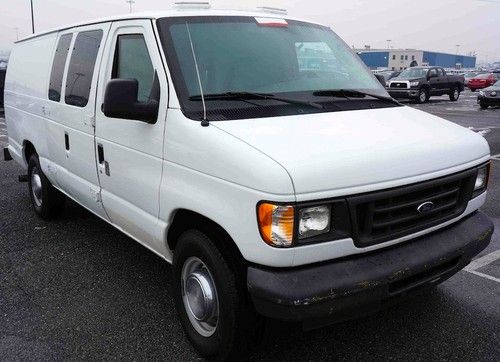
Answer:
(426, 207)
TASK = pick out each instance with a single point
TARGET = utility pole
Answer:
(130, 2)
(32, 18)
(389, 43)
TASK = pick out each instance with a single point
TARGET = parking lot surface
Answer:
(76, 288)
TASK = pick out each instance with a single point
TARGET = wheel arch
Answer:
(28, 150)
(184, 219)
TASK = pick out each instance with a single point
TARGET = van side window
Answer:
(56, 74)
(132, 61)
(81, 67)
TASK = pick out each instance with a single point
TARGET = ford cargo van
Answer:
(257, 154)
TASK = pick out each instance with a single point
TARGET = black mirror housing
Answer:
(381, 79)
(120, 101)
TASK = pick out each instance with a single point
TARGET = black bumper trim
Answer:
(351, 287)
(6, 154)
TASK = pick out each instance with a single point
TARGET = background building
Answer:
(399, 59)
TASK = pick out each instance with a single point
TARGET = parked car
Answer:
(489, 96)
(274, 189)
(483, 81)
(468, 76)
(420, 83)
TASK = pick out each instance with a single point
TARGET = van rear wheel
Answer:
(46, 200)
(213, 311)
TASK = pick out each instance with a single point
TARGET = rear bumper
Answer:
(403, 93)
(351, 287)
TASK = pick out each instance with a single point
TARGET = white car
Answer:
(276, 185)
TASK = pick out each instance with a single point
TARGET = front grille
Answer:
(381, 216)
(399, 85)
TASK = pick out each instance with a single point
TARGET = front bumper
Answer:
(490, 101)
(351, 287)
(403, 93)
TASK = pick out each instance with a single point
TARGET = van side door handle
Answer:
(66, 141)
(101, 160)
(100, 153)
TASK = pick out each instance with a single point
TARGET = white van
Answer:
(257, 154)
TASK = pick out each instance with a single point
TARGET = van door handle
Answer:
(66, 141)
(100, 153)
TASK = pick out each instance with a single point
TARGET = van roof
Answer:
(153, 15)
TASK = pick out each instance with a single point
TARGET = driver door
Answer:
(129, 152)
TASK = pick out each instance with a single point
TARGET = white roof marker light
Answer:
(267, 9)
(192, 5)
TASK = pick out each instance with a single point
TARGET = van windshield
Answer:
(282, 58)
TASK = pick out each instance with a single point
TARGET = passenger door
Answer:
(72, 108)
(129, 151)
(443, 84)
(433, 81)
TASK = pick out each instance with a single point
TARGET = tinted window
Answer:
(440, 72)
(81, 67)
(132, 61)
(56, 74)
(433, 71)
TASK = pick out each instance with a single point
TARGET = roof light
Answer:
(192, 5)
(267, 9)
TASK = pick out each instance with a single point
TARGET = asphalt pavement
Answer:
(77, 289)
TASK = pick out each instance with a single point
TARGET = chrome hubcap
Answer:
(422, 97)
(199, 296)
(36, 186)
(455, 94)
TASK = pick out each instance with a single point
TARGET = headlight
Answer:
(414, 84)
(481, 93)
(493, 94)
(314, 221)
(481, 179)
(276, 224)
(387, 84)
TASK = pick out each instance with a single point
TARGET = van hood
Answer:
(347, 150)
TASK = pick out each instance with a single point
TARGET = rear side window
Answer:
(81, 67)
(56, 74)
(132, 61)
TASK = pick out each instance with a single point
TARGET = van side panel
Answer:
(25, 96)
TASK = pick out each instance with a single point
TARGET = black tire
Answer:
(235, 330)
(454, 94)
(49, 201)
(483, 105)
(423, 96)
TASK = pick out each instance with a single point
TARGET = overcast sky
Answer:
(424, 24)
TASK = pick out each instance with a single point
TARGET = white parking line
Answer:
(483, 261)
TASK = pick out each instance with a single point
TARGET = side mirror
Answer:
(120, 101)
(381, 79)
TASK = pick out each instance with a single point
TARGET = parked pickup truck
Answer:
(420, 83)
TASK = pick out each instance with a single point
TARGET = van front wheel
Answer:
(46, 200)
(213, 312)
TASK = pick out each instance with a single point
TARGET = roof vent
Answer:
(267, 9)
(186, 5)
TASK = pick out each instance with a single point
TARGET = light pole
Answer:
(130, 2)
(389, 43)
(32, 18)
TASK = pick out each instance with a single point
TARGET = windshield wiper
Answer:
(346, 93)
(228, 96)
